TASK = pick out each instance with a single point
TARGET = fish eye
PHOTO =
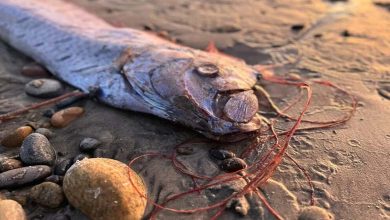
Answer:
(259, 76)
(207, 69)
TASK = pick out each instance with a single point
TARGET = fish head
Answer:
(210, 93)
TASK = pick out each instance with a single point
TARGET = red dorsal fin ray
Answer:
(211, 48)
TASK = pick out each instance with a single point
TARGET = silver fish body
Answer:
(135, 70)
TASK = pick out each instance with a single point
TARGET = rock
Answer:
(294, 77)
(233, 165)
(34, 70)
(64, 117)
(10, 164)
(185, 150)
(43, 88)
(16, 138)
(63, 166)
(101, 189)
(37, 150)
(80, 157)
(221, 154)
(314, 213)
(49, 112)
(55, 179)
(297, 27)
(47, 194)
(89, 144)
(23, 176)
(11, 210)
(44, 131)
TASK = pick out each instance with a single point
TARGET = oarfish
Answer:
(135, 70)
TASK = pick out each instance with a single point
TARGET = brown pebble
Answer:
(294, 77)
(47, 194)
(11, 210)
(64, 117)
(16, 138)
(101, 189)
(233, 164)
(10, 164)
(34, 70)
(314, 213)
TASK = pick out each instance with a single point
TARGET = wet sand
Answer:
(346, 42)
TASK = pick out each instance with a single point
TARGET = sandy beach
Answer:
(345, 42)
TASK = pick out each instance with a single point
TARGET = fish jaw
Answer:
(211, 94)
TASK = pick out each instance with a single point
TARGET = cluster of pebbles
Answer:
(30, 171)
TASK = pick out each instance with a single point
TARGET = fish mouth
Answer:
(234, 115)
(237, 106)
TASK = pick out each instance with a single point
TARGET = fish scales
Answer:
(134, 70)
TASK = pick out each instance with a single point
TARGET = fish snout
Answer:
(241, 107)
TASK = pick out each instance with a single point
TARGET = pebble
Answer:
(314, 213)
(185, 150)
(43, 88)
(63, 166)
(16, 138)
(34, 70)
(55, 179)
(297, 27)
(49, 112)
(233, 165)
(101, 189)
(64, 117)
(37, 150)
(294, 77)
(80, 157)
(385, 93)
(46, 132)
(89, 144)
(221, 154)
(24, 175)
(11, 210)
(47, 194)
(9, 164)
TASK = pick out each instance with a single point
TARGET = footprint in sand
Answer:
(385, 206)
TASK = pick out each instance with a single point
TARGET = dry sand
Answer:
(347, 42)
